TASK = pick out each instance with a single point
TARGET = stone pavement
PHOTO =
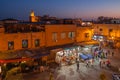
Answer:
(84, 73)
(70, 72)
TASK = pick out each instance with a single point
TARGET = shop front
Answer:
(99, 37)
(67, 56)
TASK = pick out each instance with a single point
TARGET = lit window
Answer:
(54, 36)
(24, 43)
(110, 30)
(63, 35)
(83, 24)
(86, 35)
(37, 43)
(71, 34)
(10, 45)
(101, 29)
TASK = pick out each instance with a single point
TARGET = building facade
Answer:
(109, 30)
(60, 34)
(115, 21)
(53, 35)
(42, 32)
(17, 41)
(109, 33)
(84, 34)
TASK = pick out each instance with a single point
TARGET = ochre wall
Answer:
(81, 34)
(106, 27)
(18, 37)
(49, 29)
(46, 37)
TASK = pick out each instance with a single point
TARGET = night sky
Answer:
(86, 9)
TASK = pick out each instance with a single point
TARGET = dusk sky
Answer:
(85, 9)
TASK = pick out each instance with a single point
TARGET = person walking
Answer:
(109, 52)
(108, 64)
(100, 64)
(91, 62)
(77, 62)
(106, 54)
(87, 63)
(112, 53)
(77, 66)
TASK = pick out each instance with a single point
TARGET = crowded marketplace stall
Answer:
(67, 56)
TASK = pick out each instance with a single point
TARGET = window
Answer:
(63, 35)
(37, 43)
(10, 45)
(101, 29)
(110, 30)
(54, 36)
(71, 34)
(24, 43)
(86, 35)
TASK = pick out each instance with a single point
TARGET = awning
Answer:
(83, 56)
(89, 56)
(14, 60)
(38, 56)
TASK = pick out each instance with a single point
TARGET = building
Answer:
(107, 32)
(9, 21)
(35, 35)
(84, 34)
(84, 31)
(1, 27)
(33, 18)
(29, 35)
(41, 34)
(60, 34)
(115, 21)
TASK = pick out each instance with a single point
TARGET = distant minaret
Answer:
(32, 17)
(32, 13)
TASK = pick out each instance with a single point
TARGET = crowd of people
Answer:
(101, 56)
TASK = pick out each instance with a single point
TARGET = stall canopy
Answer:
(83, 56)
(89, 56)
(14, 60)
(40, 55)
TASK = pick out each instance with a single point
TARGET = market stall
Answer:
(67, 56)
(83, 57)
(53, 55)
(89, 56)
